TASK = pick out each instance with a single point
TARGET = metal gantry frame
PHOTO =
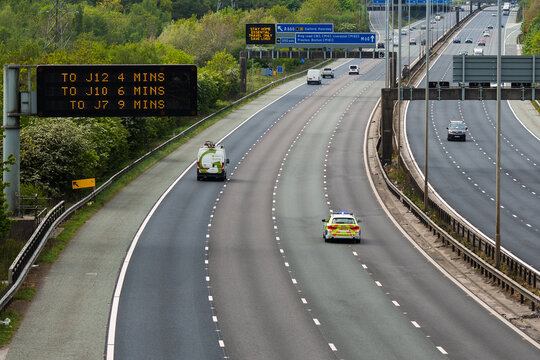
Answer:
(17, 103)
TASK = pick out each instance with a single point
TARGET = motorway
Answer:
(243, 272)
(239, 269)
(463, 173)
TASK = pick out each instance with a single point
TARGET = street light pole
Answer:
(399, 80)
(426, 197)
(498, 144)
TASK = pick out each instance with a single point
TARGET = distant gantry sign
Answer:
(116, 90)
(260, 34)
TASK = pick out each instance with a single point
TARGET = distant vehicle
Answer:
(396, 41)
(486, 34)
(413, 27)
(412, 41)
(341, 225)
(327, 72)
(468, 40)
(457, 40)
(506, 8)
(490, 26)
(212, 162)
(456, 130)
(423, 42)
(463, 52)
(423, 27)
(438, 17)
(353, 70)
(403, 32)
(493, 14)
(380, 45)
(481, 42)
(478, 51)
(314, 76)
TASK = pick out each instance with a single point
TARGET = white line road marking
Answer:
(316, 322)
(364, 266)
(416, 325)
(395, 303)
(221, 343)
(332, 346)
(440, 348)
(378, 283)
(304, 301)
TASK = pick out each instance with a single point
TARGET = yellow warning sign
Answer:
(83, 183)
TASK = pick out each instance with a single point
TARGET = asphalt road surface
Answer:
(463, 173)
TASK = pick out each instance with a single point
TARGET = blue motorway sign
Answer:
(336, 38)
(280, 69)
(270, 72)
(294, 28)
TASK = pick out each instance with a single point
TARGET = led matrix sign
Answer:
(260, 34)
(116, 90)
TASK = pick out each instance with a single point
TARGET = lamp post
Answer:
(498, 144)
(426, 197)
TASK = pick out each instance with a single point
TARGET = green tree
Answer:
(281, 14)
(54, 152)
(226, 66)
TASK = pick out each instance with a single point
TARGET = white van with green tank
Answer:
(212, 162)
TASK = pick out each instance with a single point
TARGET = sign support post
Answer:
(12, 132)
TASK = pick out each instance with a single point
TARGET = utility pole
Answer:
(58, 29)
(222, 4)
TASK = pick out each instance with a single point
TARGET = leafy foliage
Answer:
(56, 151)
(531, 26)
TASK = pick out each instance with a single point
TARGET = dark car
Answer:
(380, 45)
(468, 40)
(457, 40)
(457, 131)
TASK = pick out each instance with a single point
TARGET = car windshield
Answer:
(457, 126)
(343, 221)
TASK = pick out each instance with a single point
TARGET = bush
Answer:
(54, 152)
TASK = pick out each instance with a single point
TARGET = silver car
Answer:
(457, 130)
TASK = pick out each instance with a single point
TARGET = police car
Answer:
(341, 225)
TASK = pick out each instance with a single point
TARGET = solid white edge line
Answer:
(426, 255)
(522, 124)
(120, 282)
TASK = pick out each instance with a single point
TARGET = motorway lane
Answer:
(350, 290)
(464, 173)
(352, 312)
(172, 248)
(260, 313)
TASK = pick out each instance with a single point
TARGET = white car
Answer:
(353, 70)
(327, 72)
